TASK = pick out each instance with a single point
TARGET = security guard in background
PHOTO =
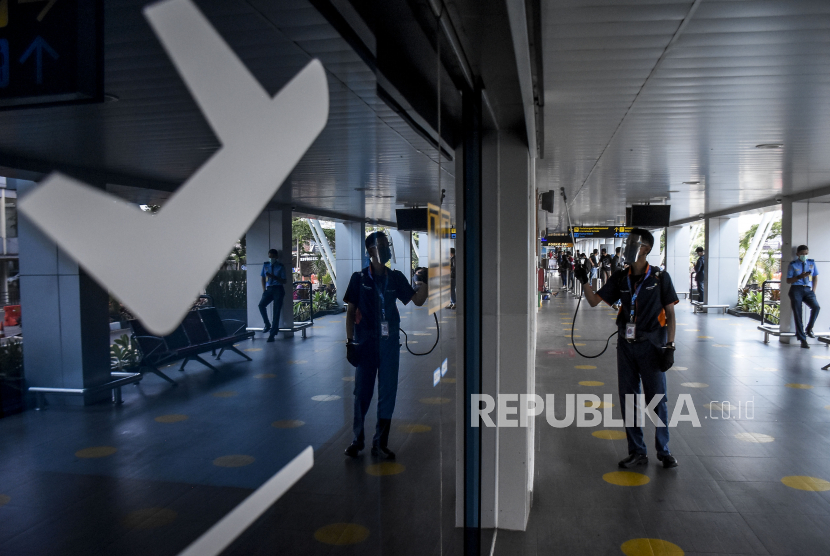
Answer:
(373, 340)
(645, 349)
(802, 275)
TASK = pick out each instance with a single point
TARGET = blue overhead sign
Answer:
(51, 51)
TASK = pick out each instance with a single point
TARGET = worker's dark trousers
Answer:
(805, 295)
(379, 358)
(275, 294)
(636, 362)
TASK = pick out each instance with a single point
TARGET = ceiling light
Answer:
(674, 191)
(691, 182)
(769, 146)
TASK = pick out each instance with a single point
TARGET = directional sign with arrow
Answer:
(51, 51)
(38, 46)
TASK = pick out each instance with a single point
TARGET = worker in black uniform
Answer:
(645, 349)
(700, 272)
(373, 339)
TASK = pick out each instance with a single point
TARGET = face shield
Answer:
(384, 251)
(631, 250)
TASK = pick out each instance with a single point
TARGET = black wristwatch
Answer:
(670, 345)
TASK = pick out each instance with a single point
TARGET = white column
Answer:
(271, 230)
(656, 255)
(722, 261)
(517, 315)
(349, 239)
(788, 245)
(810, 227)
(402, 245)
(677, 256)
(65, 313)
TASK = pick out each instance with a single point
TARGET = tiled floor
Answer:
(160, 489)
(726, 496)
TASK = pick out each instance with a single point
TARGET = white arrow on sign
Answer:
(157, 264)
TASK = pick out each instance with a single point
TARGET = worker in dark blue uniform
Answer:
(645, 349)
(373, 339)
(802, 276)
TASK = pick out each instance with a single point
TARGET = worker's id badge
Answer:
(630, 331)
(384, 329)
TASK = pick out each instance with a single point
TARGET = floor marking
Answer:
(288, 424)
(625, 478)
(721, 345)
(650, 547)
(235, 460)
(803, 482)
(414, 428)
(150, 518)
(679, 369)
(585, 367)
(609, 434)
(591, 383)
(693, 330)
(571, 336)
(694, 384)
(96, 452)
(218, 537)
(706, 337)
(225, 394)
(348, 378)
(576, 344)
(755, 437)
(252, 349)
(325, 398)
(435, 401)
(4, 499)
(798, 386)
(385, 469)
(172, 418)
(341, 534)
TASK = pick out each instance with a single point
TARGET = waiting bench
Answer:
(201, 331)
(684, 294)
(699, 307)
(775, 330)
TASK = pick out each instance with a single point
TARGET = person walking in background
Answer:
(273, 278)
(700, 272)
(802, 276)
(452, 278)
(605, 265)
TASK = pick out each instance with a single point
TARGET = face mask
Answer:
(632, 248)
(802, 258)
(273, 261)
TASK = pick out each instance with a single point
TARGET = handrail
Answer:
(764, 298)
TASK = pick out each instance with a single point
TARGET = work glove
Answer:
(351, 353)
(667, 360)
(581, 274)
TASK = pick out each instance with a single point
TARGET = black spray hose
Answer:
(438, 329)
(573, 323)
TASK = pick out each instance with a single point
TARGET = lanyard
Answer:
(381, 292)
(637, 291)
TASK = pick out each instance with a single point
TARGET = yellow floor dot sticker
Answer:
(585, 367)
(150, 518)
(821, 357)
(225, 394)
(236, 460)
(600, 405)
(802, 482)
(341, 534)
(625, 478)
(448, 380)
(348, 378)
(96, 452)
(798, 386)
(650, 547)
(434, 401)
(385, 468)
(252, 349)
(325, 398)
(414, 428)
(265, 375)
(574, 336)
(609, 434)
(706, 337)
(4, 499)
(172, 418)
(754, 437)
(288, 424)
(694, 384)
(591, 383)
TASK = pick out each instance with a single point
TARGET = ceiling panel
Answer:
(738, 75)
